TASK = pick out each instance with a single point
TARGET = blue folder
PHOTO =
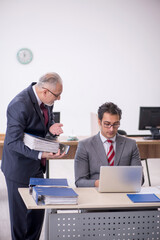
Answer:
(47, 182)
(40, 194)
(142, 198)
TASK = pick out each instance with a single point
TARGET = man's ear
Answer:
(45, 92)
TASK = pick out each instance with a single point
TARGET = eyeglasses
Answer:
(108, 125)
(55, 95)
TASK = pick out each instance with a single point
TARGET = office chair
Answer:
(122, 132)
(149, 181)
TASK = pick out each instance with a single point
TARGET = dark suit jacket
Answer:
(19, 163)
(90, 155)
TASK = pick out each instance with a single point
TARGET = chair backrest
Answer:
(56, 117)
(122, 132)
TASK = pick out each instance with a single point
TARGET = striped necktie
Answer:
(111, 153)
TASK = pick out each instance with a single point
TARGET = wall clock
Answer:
(24, 55)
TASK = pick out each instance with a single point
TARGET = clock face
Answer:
(24, 56)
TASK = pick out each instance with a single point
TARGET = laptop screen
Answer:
(120, 179)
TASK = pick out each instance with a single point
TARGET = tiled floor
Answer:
(64, 169)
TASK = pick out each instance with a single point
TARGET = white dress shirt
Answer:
(107, 144)
(39, 103)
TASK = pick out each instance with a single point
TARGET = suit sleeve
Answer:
(136, 160)
(16, 123)
(82, 168)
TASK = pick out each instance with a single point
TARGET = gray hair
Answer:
(49, 78)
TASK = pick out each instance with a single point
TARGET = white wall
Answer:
(104, 50)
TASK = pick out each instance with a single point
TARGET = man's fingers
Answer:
(60, 124)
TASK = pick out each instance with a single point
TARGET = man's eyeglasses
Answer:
(55, 95)
(108, 125)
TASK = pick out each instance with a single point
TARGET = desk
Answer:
(147, 148)
(110, 216)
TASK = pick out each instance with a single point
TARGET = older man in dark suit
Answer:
(29, 112)
(105, 148)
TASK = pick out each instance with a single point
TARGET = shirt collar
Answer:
(103, 139)
(38, 100)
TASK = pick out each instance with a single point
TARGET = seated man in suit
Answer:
(105, 148)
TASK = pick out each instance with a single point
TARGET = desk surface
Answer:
(90, 198)
(63, 139)
(139, 140)
(147, 148)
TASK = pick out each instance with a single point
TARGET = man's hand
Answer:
(96, 184)
(48, 155)
(56, 129)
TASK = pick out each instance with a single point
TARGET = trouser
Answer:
(25, 224)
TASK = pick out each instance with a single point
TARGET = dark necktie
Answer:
(45, 113)
(111, 153)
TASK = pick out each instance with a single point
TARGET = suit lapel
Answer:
(120, 143)
(99, 149)
(35, 103)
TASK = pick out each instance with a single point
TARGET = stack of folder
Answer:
(44, 144)
(52, 191)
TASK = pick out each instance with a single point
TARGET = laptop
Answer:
(120, 179)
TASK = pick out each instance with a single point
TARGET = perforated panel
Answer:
(132, 225)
